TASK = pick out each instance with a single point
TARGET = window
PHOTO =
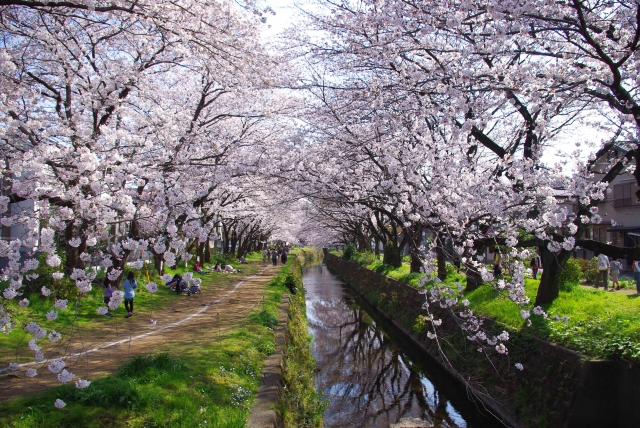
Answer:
(597, 233)
(624, 195)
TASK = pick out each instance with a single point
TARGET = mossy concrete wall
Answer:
(557, 388)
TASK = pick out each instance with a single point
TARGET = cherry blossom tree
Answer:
(458, 70)
(129, 126)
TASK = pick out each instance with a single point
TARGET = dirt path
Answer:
(626, 291)
(193, 319)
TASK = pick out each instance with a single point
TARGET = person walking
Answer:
(636, 274)
(616, 266)
(603, 271)
(535, 266)
(497, 268)
(129, 287)
(265, 255)
(274, 257)
(283, 257)
(108, 292)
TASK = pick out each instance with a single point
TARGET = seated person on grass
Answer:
(230, 269)
(198, 268)
(174, 281)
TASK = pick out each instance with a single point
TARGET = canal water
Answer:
(369, 377)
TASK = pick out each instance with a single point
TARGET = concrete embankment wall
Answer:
(557, 388)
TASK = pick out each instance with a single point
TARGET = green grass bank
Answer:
(300, 404)
(209, 383)
(597, 324)
(557, 386)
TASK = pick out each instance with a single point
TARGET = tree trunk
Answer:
(416, 263)
(474, 279)
(201, 252)
(157, 262)
(207, 251)
(244, 248)
(552, 265)
(234, 244)
(377, 249)
(442, 263)
(191, 244)
(72, 260)
(225, 240)
(392, 254)
(414, 239)
(119, 264)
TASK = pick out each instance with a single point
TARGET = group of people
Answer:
(226, 269)
(276, 254)
(217, 268)
(130, 284)
(606, 267)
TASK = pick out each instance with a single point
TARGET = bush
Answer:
(364, 259)
(290, 283)
(264, 318)
(571, 275)
(267, 347)
(223, 259)
(349, 251)
(627, 283)
(589, 269)
(150, 366)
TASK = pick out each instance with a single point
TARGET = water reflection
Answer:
(369, 381)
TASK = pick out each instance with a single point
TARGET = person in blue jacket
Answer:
(129, 286)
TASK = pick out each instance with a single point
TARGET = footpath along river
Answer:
(370, 376)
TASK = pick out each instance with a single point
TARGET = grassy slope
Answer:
(81, 313)
(601, 324)
(210, 384)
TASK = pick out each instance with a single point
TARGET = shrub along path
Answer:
(189, 322)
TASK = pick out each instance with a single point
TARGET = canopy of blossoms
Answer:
(159, 126)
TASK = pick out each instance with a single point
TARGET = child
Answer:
(616, 266)
(108, 292)
(129, 286)
(198, 268)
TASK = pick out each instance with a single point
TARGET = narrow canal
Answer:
(369, 377)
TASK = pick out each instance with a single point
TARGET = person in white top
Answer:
(603, 271)
(230, 269)
(616, 267)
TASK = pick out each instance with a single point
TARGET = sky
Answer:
(287, 15)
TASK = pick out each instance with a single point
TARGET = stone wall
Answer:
(558, 388)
